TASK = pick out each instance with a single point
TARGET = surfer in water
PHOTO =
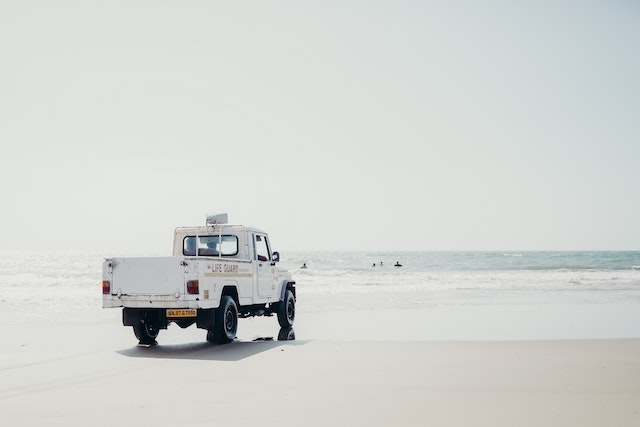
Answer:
(397, 264)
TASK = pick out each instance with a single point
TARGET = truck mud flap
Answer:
(205, 319)
(132, 316)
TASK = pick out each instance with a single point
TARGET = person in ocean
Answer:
(374, 264)
(397, 264)
(304, 265)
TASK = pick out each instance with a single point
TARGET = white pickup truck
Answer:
(218, 272)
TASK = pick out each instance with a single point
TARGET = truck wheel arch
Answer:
(287, 285)
(231, 291)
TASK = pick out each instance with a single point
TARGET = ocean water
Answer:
(64, 287)
(471, 278)
(432, 261)
(470, 295)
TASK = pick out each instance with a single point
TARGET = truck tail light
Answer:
(106, 287)
(193, 287)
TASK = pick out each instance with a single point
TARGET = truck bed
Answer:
(149, 276)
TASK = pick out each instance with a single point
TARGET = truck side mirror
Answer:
(275, 257)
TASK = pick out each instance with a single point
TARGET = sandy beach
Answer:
(95, 374)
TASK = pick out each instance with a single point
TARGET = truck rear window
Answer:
(216, 245)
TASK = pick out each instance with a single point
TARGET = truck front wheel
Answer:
(146, 332)
(287, 310)
(226, 322)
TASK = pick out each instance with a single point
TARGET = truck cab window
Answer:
(262, 248)
(189, 246)
(228, 245)
(216, 245)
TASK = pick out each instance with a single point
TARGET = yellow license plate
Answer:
(182, 312)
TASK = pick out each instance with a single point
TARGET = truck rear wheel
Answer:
(287, 310)
(146, 332)
(226, 322)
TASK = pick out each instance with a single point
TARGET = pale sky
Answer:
(332, 125)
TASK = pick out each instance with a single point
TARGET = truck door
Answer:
(266, 272)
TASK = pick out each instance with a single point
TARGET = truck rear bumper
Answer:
(158, 316)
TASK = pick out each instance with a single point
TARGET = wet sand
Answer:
(96, 375)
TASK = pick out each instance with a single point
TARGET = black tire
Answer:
(287, 310)
(226, 322)
(146, 332)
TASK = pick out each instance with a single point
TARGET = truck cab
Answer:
(233, 255)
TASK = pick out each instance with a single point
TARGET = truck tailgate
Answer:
(148, 276)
